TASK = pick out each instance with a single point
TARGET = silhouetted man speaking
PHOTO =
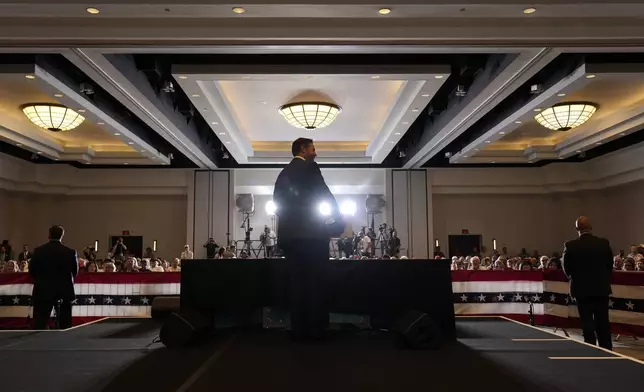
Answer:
(53, 268)
(308, 218)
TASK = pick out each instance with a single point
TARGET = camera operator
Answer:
(365, 244)
(211, 248)
(90, 253)
(118, 251)
(394, 244)
(268, 238)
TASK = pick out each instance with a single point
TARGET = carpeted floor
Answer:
(118, 355)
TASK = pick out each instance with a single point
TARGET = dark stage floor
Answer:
(491, 354)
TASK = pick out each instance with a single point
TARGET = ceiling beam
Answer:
(132, 95)
(482, 97)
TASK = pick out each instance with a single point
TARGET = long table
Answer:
(382, 289)
(507, 293)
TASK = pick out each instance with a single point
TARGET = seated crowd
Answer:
(634, 261)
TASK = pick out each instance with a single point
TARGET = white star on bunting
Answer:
(91, 300)
(610, 303)
(16, 300)
(463, 298)
(109, 300)
(481, 298)
(145, 300)
(567, 300)
(553, 298)
(518, 297)
(574, 300)
(75, 301)
(536, 298)
(630, 305)
(500, 297)
(127, 300)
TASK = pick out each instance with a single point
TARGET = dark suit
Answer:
(588, 264)
(303, 235)
(24, 256)
(53, 268)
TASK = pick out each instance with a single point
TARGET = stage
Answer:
(490, 353)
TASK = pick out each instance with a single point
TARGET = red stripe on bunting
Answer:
(102, 277)
(496, 276)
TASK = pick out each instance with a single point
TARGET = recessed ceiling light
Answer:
(195, 95)
(246, 77)
(142, 150)
(492, 161)
(537, 109)
(561, 95)
(476, 149)
(183, 77)
(222, 133)
(101, 123)
(598, 143)
(130, 143)
(262, 102)
(214, 123)
(56, 159)
(384, 11)
(425, 95)
(125, 163)
(529, 10)
(31, 77)
(517, 122)
(375, 77)
(590, 76)
(487, 142)
(81, 110)
(93, 11)
(239, 10)
(163, 163)
(578, 151)
(227, 142)
(561, 157)
(414, 110)
(405, 122)
(438, 76)
(622, 134)
(392, 142)
(464, 156)
(501, 133)
(153, 158)
(58, 95)
(117, 134)
(397, 133)
(18, 144)
(205, 109)
(39, 152)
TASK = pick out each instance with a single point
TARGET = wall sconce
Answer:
(494, 243)
(154, 245)
(96, 246)
(436, 242)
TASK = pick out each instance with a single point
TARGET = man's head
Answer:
(25, 248)
(303, 147)
(120, 239)
(56, 233)
(175, 262)
(583, 225)
(186, 247)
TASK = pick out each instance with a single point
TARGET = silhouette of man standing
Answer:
(588, 264)
(308, 217)
(53, 268)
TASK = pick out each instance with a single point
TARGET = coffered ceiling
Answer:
(429, 83)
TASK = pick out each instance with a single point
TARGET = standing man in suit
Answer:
(308, 217)
(25, 254)
(588, 264)
(53, 268)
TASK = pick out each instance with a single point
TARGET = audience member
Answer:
(149, 253)
(25, 254)
(89, 253)
(156, 266)
(4, 254)
(617, 263)
(91, 267)
(174, 266)
(628, 264)
(23, 266)
(475, 263)
(10, 267)
(128, 265)
(119, 249)
(211, 249)
(554, 264)
(187, 254)
(109, 267)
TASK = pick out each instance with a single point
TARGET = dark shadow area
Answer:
(145, 328)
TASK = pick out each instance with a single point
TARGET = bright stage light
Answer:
(348, 207)
(271, 208)
(325, 209)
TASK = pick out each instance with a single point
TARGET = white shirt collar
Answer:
(299, 157)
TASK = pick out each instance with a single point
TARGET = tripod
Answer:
(383, 241)
(247, 229)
